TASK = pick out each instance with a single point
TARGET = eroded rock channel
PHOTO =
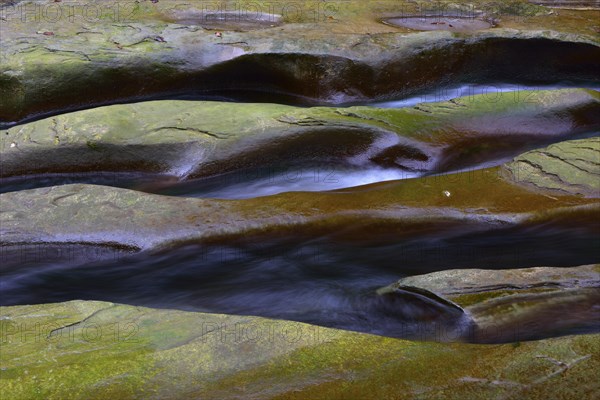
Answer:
(191, 170)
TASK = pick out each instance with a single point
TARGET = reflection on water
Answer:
(242, 184)
(318, 281)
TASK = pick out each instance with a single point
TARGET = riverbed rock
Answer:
(55, 60)
(469, 286)
(569, 167)
(518, 304)
(86, 349)
(191, 139)
(476, 201)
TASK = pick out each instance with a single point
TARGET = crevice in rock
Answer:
(178, 128)
(78, 323)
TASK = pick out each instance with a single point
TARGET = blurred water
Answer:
(248, 185)
(320, 281)
(311, 176)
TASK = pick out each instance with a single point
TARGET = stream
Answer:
(318, 280)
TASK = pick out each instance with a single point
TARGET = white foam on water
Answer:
(307, 180)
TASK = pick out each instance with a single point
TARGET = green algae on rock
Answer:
(80, 349)
(87, 64)
(567, 167)
(191, 139)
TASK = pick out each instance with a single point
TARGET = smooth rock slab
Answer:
(462, 283)
(84, 65)
(82, 350)
(566, 167)
(518, 304)
(241, 20)
(439, 23)
(190, 139)
(474, 201)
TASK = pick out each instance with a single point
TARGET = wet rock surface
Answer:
(496, 180)
(136, 62)
(96, 214)
(188, 139)
(439, 23)
(518, 304)
(571, 167)
(94, 348)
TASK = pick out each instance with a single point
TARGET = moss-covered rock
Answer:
(192, 139)
(52, 62)
(567, 167)
(518, 304)
(82, 350)
(476, 200)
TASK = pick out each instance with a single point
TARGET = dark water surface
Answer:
(319, 281)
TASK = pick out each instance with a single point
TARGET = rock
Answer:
(567, 167)
(437, 23)
(225, 20)
(518, 304)
(569, 4)
(480, 201)
(190, 139)
(482, 284)
(89, 63)
(88, 349)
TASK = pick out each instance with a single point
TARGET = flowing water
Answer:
(319, 280)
